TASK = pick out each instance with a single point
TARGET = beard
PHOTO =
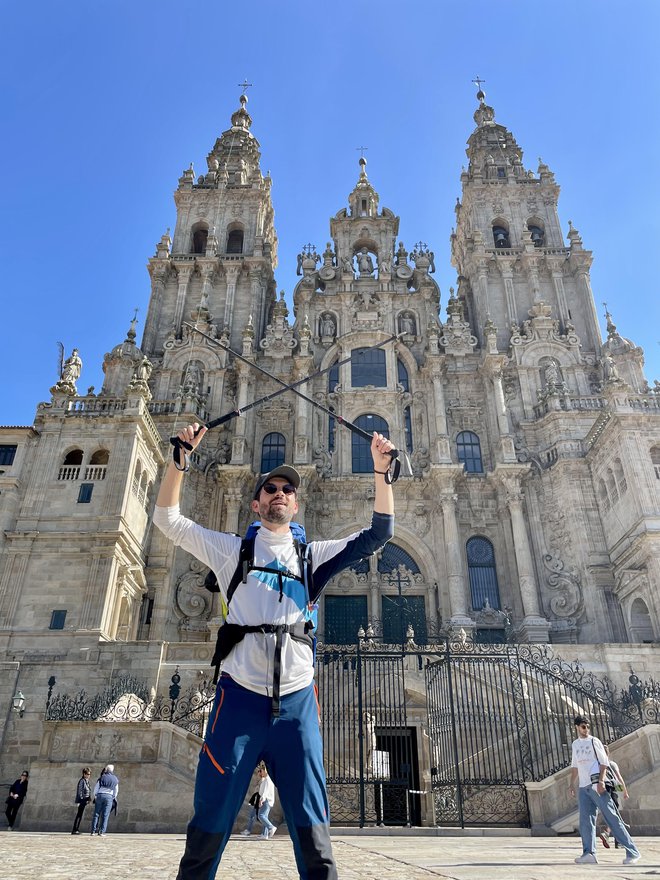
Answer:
(277, 514)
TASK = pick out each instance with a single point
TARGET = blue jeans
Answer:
(101, 815)
(589, 802)
(264, 810)
(242, 731)
(252, 818)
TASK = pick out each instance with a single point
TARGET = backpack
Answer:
(230, 634)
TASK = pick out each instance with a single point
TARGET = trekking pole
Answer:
(180, 445)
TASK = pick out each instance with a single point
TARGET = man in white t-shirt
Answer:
(590, 763)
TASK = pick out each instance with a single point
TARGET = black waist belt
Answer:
(230, 634)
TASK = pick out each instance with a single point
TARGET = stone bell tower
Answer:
(508, 246)
(219, 263)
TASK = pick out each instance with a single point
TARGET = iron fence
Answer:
(496, 717)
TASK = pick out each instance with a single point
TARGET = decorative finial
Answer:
(245, 85)
(611, 326)
(481, 95)
(130, 336)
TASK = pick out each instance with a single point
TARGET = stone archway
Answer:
(641, 625)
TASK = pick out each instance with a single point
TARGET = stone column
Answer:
(153, 315)
(509, 291)
(591, 305)
(560, 293)
(534, 626)
(238, 443)
(457, 585)
(232, 272)
(432, 598)
(233, 499)
(184, 273)
(442, 435)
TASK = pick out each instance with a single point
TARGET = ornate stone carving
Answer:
(457, 337)
(279, 340)
(193, 600)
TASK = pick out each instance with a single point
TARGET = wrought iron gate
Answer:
(502, 715)
(370, 751)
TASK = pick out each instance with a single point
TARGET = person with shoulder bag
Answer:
(83, 797)
(590, 765)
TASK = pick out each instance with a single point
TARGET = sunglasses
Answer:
(585, 726)
(271, 489)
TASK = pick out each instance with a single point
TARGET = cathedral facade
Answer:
(532, 509)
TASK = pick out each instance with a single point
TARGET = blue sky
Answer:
(105, 103)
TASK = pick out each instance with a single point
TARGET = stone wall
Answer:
(154, 761)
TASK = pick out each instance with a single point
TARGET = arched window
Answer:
(537, 233)
(70, 467)
(273, 451)
(468, 449)
(501, 235)
(393, 556)
(483, 575)
(655, 460)
(362, 462)
(402, 375)
(235, 242)
(200, 237)
(368, 368)
(101, 456)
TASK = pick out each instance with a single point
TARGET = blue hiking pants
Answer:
(242, 732)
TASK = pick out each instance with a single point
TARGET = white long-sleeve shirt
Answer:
(258, 601)
(267, 790)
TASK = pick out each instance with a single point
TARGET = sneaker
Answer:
(271, 831)
(604, 839)
(586, 859)
(631, 860)
(245, 833)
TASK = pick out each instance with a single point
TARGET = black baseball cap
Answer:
(287, 473)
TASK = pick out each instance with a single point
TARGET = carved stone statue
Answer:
(346, 264)
(72, 368)
(193, 379)
(365, 263)
(385, 265)
(551, 375)
(610, 369)
(407, 324)
(327, 325)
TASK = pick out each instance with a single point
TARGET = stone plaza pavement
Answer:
(363, 856)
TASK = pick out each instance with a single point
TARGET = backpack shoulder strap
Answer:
(304, 552)
(245, 561)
